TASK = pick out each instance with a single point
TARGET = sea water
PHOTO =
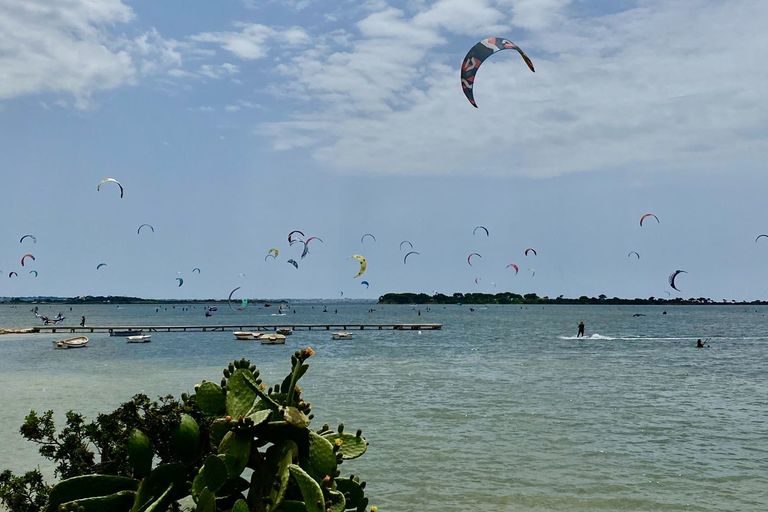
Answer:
(503, 409)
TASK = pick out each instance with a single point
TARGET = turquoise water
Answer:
(498, 411)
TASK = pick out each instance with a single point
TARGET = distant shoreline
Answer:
(532, 298)
(399, 298)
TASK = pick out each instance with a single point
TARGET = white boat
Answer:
(341, 335)
(284, 332)
(78, 342)
(272, 339)
(246, 335)
(143, 338)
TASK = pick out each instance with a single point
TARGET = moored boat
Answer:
(77, 342)
(341, 335)
(272, 339)
(284, 332)
(246, 335)
(126, 332)
(142, 338)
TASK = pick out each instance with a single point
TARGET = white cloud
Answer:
(668, 85)
(65, 47)
(251, 42)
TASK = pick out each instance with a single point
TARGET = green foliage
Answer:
(204, 447)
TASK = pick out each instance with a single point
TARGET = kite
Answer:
(646, 215)
(363, 264)
(110, 180)
(362, 238)
(405, 242)
(405, 258)
(34, 239)
(477, 54)
(469, 258)
(273, 253)
(474, 231)
(33, 272)
(531, 249)
(293, 262)
(633, 252)
(24, 258)
(180, 280)
(12, 274)
(100, 265)
(759, 236)
(672, 277)
(229, 299)
(514, 266)
(365, 283)
(138, 231)
(290, 235)
(196, 270)
(306, 245)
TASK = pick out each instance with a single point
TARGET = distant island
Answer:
(119, 299)
(532, 298)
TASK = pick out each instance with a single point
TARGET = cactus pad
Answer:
(88, 486)
(321, 461)
(350, 446)
(209, 398)
(240, 395)
(310, 490)
(139, 453)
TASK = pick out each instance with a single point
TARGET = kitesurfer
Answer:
(580, 334)
(699, 343)
(82, 321)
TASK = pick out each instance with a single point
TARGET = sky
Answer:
(232, 123)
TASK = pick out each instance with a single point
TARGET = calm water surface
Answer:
(498, 411)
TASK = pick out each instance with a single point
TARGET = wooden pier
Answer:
(238, 327)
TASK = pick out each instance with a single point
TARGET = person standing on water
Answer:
(82, 321)
(580, 334)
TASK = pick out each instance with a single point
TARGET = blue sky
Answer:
(232, 123)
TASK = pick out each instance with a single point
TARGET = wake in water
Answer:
(593, 337)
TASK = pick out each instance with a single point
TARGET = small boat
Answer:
(246, 335)
(142, 338)
(272, 339)
(127, 332)
(78, 342)
(341, 335)
(284, 332)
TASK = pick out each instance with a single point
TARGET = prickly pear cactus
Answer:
(229, 431)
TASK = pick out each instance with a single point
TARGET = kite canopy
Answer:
(100, 265)
(514, 266)
(469, 258)
(474, 231)
(12, 274)
(273, 253)
(760, 236)
(138, 231)
(477, 55)
(363, 264)
(633, 252)
(110, 180)
(673, 276)
(33, 272)
(405, 242)
(362, 238)
(196, 270)
(365, 283)
(25, 257)
(531, 249)
(405, 258)
(229, 299)
(180, 280)
(32, 237)
(647, 215)
(291, 238)
(293, 262)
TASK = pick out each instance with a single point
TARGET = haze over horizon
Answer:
(229, 125)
